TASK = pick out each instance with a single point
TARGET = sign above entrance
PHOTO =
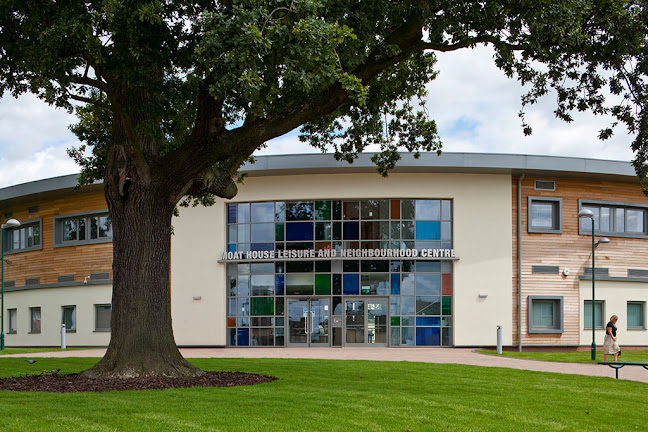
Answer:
(343, 254)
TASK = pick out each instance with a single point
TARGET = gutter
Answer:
(519, 260)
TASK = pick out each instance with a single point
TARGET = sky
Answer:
(475, 106)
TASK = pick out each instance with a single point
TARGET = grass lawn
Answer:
(33, 350)
(572, 357)
(334, 395)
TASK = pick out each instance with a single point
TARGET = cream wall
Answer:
(51, 301)
(482, 240)
(616, 295)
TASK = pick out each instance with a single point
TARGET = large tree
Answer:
(173, 96)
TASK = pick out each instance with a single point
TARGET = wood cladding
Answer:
(569, 250)
(49, 263)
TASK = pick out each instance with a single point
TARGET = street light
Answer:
(11, 223)
(585, 213)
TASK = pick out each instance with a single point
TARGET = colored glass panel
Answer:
(351, 210)
(428, 336)
(374, 230)
(231, 233)
(231, 337)
(428, 321)
(262, 305)
(323, 245)
(395, 321)
(231, 213)
(351, 284)
(279, 232)
(262, 246)
(395, 209)
(351, 230)
(231, 248)
(299, 231)
(446, 284)
(428, 230)
(243, 337)
(323, 284)
(279, 284)
(446, 305)
(323, 210)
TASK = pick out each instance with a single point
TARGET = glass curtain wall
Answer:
(419, 291)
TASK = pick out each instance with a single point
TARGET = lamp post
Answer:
(585, 213)
(11, 223)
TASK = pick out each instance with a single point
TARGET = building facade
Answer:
(312, 252)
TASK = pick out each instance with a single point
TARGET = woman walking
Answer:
(610, 345)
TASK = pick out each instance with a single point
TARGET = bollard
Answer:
(63, 336)
(499, 339)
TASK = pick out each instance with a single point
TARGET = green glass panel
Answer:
(446, 305)
(395, 321)
(322, 210)
(262, 305)
(323, 284)
(279, 232)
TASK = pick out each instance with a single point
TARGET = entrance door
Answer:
(366, 322)
(308, 322)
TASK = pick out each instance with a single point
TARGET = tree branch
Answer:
(90, 101)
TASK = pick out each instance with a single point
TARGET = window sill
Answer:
(545, 331)
(101, 331)
(12, 332)
(33, 332)
(636, 329)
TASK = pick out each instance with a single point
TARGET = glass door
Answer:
(366, 322)
(309, 322)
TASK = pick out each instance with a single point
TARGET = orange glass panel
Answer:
(395, 209)
(446, 284)
(322, 245)
(231, 322)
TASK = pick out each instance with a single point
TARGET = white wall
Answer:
(51, 301)
(482, 239)
(616, 295)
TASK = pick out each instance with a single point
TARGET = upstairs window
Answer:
(25, 238)
(72, 230)
(545, 215)
(615, 219)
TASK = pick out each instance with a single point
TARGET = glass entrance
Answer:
(308, 322)
(366, 322)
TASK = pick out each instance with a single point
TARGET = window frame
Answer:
(10, 312)
(31, 320)
(587, 308)
(558, 304)
(556, 203)
(8, 237)
(59, 223)
(643, 315)
(101, 329)
(614, 205)
(74, 319)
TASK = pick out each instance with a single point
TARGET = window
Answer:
(615, 219)
(102, 317)
(35, 320)
(636, 315)
(13, 320)
(545, 185)
(598, 310)
(72, 230)
(69, 318)
(25, 238)
(545, 314)
(545, 215)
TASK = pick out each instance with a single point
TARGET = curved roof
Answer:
(489, 163)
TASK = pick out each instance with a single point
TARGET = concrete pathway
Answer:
(425, 355)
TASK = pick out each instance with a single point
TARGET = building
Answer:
(313, 252)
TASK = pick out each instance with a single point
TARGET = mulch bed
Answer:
(65, 383)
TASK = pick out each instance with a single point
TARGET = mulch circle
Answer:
(65, 383)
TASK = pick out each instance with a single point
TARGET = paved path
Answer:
(426, 355)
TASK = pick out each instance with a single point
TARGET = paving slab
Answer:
(463, 356)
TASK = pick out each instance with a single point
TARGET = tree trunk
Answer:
(142, 342)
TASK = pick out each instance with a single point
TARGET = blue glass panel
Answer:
(232, 337)
(351, 230)
(243, 337)
(428, 321)
(231, 248)
(428, 230)
(351, 284)
(264, 232)
(395, 284)
(231, 213)
(279, 284)
(299, 231)
(243, 214)
(428, 336)
(262, 246)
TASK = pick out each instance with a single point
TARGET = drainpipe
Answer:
(519, 259)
